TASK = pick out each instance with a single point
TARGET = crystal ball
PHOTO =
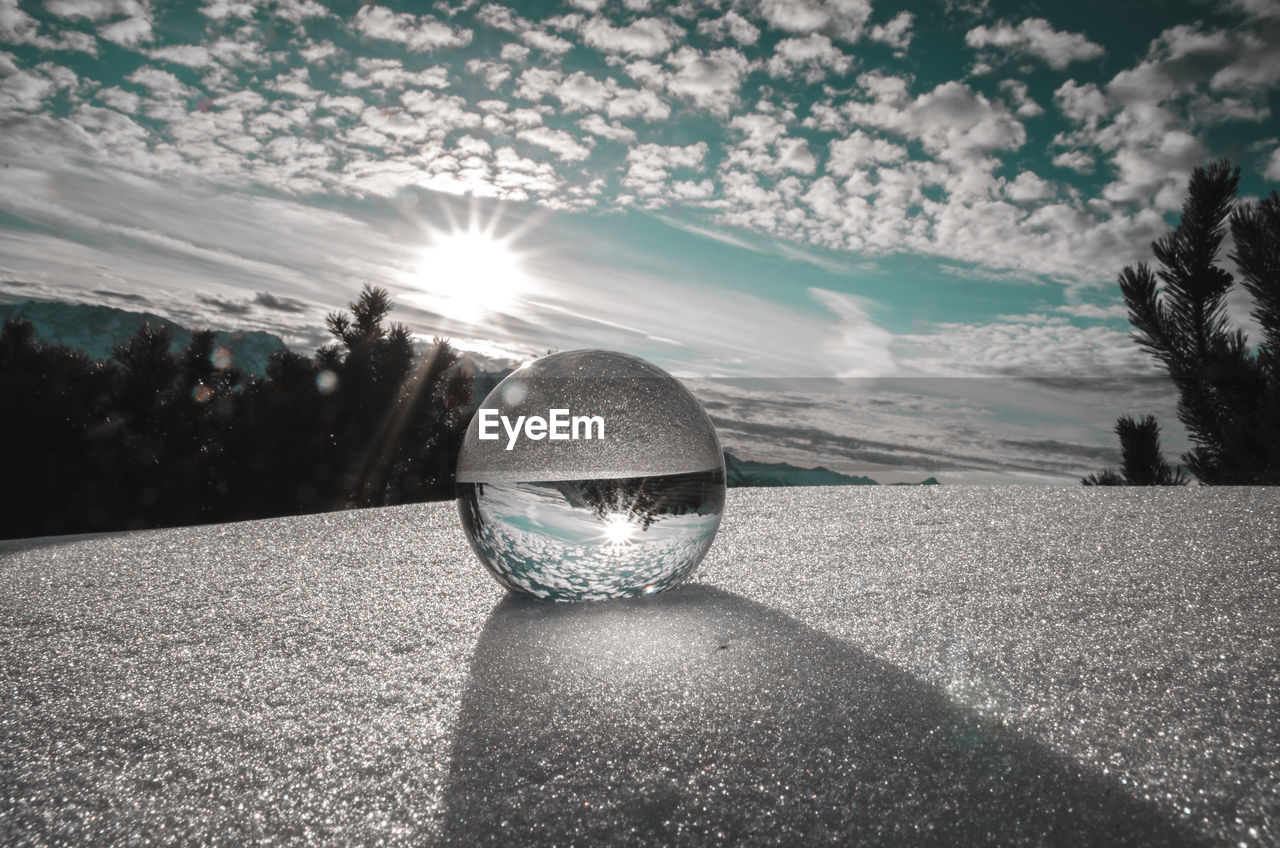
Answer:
(588, 475)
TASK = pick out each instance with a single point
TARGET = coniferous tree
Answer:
(1142, 462)
(155, 438)
(1228, 394)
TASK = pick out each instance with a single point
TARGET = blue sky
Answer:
(879, 236)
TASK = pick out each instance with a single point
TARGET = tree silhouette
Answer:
(154, 438)
(1228, 394)
(1142, 462)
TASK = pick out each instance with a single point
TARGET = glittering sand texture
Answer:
(850, 666)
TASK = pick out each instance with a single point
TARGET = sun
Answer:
(469, 274)
(618, 530)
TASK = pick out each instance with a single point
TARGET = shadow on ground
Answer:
(701, 717)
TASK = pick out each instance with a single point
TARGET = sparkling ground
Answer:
(873, 666)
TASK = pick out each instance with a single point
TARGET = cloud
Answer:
(1028, 187)
(641, 37)
(96, 10)
(1036, 37)
(896, 33)
(419, 33)
(597, 125)
(190, 55)
(650, 165)
(280, 304)
(952, 120)
(546, 42)
(224, 305)
(814, 55)
(390, 75)
(494, 73)
(861, 348)
(849, 155)
(1024, 106)
(1075, 160)
(1273, 166)
(710, 80)
(562, 144)
(1026, 345)
(119, 99)
(730, 25)
(17, 27)
(843, 18)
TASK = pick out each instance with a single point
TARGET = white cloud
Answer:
(133, 30)
(1093, 312)
(1028, 187)
(160, 83)
(300, 10)
(896, 33)
(581, 92)
(1026, 345)
(546, 42)
(17, 27)
(1273, 166)
(119, 99)
(418, 33)
(642, 103)
(24, 92)
(731, 25)
(559, 142)
(191, 55)
(494, 73)
(222, 9)
(814, 55)
(859, 150)
(390, 75)
(512, 52)
(1075, 160)
(1024, 106)
(860, 347)
(96, 10)
(843, 18)
(597, 125)
(501, 17)
(641, 37)
(536, 83)
(1036, 37)
(127, 33)
(650, 165)
(1081, 103)
(710, 80)
(951, 121)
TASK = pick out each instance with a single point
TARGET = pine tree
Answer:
(1228, 394)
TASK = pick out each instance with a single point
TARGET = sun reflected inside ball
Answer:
(618, 530)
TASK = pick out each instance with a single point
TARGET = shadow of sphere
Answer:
(699, 717)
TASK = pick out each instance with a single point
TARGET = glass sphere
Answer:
(588, 475)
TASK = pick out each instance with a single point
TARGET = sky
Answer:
(879, 237)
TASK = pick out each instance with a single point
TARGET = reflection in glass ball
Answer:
(629, 513)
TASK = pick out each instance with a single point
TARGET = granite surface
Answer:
(854, 666)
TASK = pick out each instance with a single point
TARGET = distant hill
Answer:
(744, 472)
(97, 329)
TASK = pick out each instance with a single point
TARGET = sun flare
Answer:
(618, 530)
(468, 274)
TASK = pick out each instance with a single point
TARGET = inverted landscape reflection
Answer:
(593, 539)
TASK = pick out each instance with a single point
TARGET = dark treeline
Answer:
(151, 438)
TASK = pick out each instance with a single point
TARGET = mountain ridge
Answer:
(97, 329)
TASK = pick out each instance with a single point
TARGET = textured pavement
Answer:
(854, 666)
